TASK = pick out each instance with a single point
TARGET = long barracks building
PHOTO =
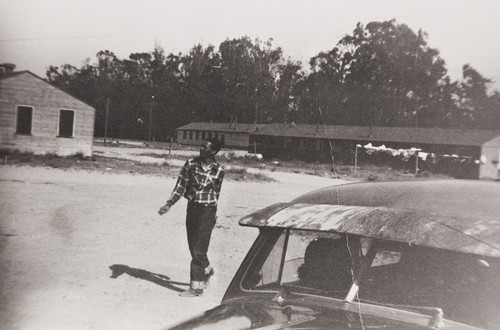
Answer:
(465, 153)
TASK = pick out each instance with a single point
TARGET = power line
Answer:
(311, 42)
(97, 36)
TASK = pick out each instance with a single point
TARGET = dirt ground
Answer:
(86, 250)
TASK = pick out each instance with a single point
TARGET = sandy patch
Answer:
(61, 231)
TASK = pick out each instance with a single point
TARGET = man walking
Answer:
(199, 182)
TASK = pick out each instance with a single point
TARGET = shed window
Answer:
(24, 120)
(184, 135)
(66, 123)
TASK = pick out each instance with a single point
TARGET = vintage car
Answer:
(391, 255)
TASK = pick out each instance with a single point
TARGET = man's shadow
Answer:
(162, 280)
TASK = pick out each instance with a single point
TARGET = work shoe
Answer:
(191, 293)
(206, 281)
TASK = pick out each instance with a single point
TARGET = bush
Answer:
(79, 156)
(238, 170)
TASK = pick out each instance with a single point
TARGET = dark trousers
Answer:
(200, 220)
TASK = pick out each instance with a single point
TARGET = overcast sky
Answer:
(35, 34)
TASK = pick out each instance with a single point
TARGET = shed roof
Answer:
(465, 137)
(223, 127)
(11, 74)
(445, 136)
(18, 73)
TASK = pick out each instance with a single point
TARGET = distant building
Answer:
(40, 118)
(464, 153)
(232, 135)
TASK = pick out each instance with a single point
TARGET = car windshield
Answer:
(311, 262)
(465, 286)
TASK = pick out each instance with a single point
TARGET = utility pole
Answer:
(242, 106)
(106, 121)
(416, 161)
(256, 105)
(150, 116)
(356, 157)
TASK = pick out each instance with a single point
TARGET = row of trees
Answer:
(383, 74)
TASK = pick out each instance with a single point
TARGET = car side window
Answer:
(421, 276)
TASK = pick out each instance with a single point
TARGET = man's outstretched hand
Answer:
(164, 209)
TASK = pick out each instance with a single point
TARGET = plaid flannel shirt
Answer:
(198, 185)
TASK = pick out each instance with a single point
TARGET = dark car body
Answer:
(395, 255)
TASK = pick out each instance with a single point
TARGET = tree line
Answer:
(383, 74)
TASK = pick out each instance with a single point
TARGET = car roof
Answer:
(461, 215)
